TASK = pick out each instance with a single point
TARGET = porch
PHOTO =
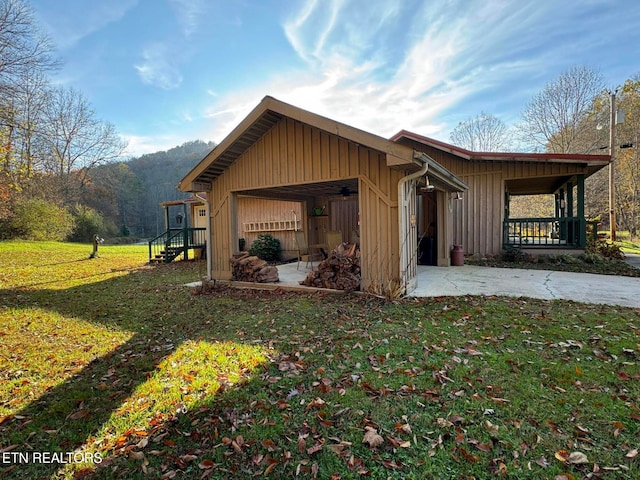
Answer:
(567, 229)
(184, 233)
(174, 242)
(550, 232)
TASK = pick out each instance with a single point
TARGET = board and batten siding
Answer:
(254, 210)
(293, 153)
(478, 218)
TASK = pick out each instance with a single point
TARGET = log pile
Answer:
(246, 268)
(340, 271)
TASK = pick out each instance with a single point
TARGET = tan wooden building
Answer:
(284, 169)
(482, 223)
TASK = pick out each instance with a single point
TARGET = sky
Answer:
(165, 72)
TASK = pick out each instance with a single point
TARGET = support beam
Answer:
(582, 240)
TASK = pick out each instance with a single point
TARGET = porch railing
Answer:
(547, 232)
(174, 242)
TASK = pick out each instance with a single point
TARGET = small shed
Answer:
(341, 177)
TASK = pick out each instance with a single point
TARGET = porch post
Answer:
(570, 199)
(562, 210)
(185, 230)
(582, 222)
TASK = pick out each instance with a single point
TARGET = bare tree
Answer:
(25, 56)
(557, 119)
(22, 46)
(627, 159)
(73, 139)
(484, 133)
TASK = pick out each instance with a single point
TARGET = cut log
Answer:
(248, 268)
(340, 271)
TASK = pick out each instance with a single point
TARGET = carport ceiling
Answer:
(305, 191)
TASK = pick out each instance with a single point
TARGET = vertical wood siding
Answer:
(477, 219)
(343, 217)
(263, 210)
(292, 153)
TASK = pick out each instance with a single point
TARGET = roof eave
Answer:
(271, 110)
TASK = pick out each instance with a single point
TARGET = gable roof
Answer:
(588, 159)
(262, 118)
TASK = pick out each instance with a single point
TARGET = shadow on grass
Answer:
(68, 416)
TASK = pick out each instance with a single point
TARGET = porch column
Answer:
(562, 205)
(582, 222)
(185, 231)
(570, 199)
(167, 225)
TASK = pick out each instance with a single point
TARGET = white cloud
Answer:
(138, 145)
(158, 67)
(80, 18)
(189, 14)
(382, 66)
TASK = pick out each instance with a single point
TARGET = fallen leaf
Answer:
(206, 464)
(269, 444)
(562, 455)
(82, 413)
(136, 455)
(485, 447)
(542, 462)
(632, 453)
(372, 438)
(577, 458)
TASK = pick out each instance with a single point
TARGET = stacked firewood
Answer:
(249, 268)
(340, 271)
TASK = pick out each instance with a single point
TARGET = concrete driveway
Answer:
(545, 284)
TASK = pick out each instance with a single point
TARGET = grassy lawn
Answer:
(112, 360)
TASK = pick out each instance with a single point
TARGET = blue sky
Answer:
(168, 71)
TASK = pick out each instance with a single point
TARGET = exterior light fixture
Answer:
(427, 186)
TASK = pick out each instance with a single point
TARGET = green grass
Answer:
(629, 247)
(114, 358)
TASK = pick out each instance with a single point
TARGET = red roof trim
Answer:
(469, 155)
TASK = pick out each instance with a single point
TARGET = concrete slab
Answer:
(632, 259)
(544, 284)
(513, 282)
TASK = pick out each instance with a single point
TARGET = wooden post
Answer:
(612, 152)
(96, 241)
(580, 213)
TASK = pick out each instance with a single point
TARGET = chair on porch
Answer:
(304, 252)
(334, 238)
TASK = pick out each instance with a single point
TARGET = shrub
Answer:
(605, 249)
(37, 219)
(513, 254)
(89, 222)
(266, 247)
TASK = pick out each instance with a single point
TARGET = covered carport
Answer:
(283, 152)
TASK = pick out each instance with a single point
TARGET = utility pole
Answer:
(612, 150)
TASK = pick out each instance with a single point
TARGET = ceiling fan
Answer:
(345, 192)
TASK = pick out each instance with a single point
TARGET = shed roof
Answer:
(580, 158)
(582, 163)
(262, 118)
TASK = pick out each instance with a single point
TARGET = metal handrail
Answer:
(176, 241)
(545, 232)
